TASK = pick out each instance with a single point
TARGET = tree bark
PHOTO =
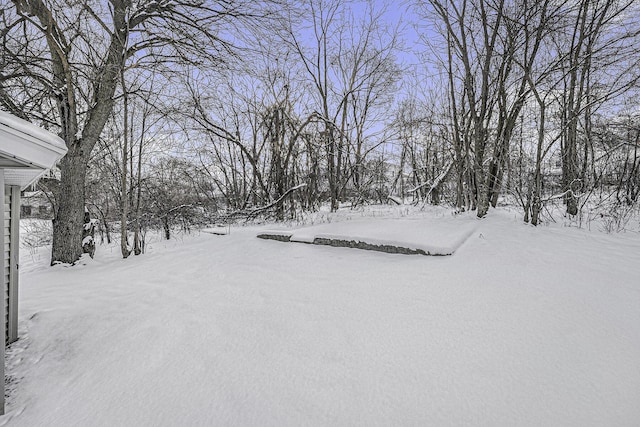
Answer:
(124, 198)
(68, 220)
(166, 227)
(137, 243)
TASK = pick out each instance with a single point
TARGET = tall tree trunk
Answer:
(536, 205)
(68, 220)
(482, 194)
(331, 166)
(137, 243)
(166, 227)
(124, 198)
(124, 213)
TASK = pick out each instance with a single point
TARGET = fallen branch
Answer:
(254, 212)
(170, 211)
(278, 201)
(436, 181)
(561, 195)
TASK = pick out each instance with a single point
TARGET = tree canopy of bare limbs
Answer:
(499, 57)
(349, 62)
(305, 110)
(64, 61)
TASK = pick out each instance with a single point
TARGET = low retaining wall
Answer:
(355, 244)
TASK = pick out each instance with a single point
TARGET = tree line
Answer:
(186, 112)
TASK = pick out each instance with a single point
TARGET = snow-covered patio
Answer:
(418, 235)
(521, 326)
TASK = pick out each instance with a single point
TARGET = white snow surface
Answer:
(521, 326)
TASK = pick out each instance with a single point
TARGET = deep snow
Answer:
(521, 326)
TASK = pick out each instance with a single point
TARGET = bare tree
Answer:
(85, 47)
(472, 29)
(350, 63)
(595, 44)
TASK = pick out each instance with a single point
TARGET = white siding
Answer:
(10, 271)
(6, 270)
(5, 287)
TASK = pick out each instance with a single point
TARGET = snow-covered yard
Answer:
(521, 326)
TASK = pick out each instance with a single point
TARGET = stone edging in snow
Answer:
(356, 244)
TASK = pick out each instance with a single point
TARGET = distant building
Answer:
(35, 204)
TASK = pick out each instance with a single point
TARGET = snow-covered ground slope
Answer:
(521, 326)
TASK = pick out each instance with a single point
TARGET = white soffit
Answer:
(21, 177)
(26, 150)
